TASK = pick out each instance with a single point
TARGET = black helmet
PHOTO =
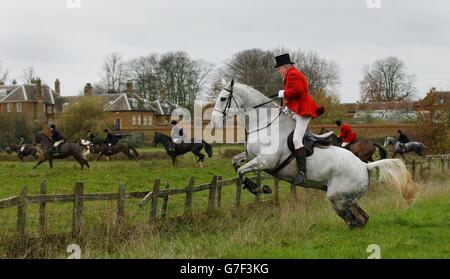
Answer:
(53, 126)
(338, 122)
(106, 131)
(399, 131)
(173, 122)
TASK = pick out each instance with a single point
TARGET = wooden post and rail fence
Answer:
(418, 168)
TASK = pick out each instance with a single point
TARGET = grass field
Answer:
(304, 229)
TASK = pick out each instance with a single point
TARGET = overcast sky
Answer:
(70, 43)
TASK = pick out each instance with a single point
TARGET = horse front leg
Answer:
(40, 162)
(99, 155)
(257, 164)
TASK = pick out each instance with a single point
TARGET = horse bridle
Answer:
(228, 105)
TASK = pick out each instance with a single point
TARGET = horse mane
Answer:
(248, 87)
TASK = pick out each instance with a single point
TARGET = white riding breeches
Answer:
(177, 140)
(301, 124)
(57, 143)
(344, 144)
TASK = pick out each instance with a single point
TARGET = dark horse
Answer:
(183, 148)
(29, 150)
(363, 149)
(102, 148)
(65, 150)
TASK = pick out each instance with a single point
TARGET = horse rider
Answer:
(90, 135)
(57, 139)
(302, 105)
(176, 134)
(403, 139)
(110, 140)
(346, 134)
(22, 144)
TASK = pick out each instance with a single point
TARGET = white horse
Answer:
(336, 170)
(413, 146)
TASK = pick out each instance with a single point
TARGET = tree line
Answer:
(184, 79)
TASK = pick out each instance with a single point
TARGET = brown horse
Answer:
(65, 150)
(124, 147)
(363, 149)
(29, 150)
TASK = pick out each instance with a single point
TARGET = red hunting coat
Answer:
(297, 95)
(347, 134)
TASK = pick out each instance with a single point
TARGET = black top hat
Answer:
(283, 59)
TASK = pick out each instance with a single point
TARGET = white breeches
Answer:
(344, 144)
(177, 141)
(301, 124)
(57, 143)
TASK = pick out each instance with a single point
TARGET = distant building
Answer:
(37, 103)
(127, 112)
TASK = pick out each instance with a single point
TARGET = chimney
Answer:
(88, 89)
(58, 87)
(14, 82)
(39, 88)
(162, 94)
(129, 88)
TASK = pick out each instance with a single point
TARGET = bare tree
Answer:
(386, 80)
(28, 75)
(254, 67)
(181, 77)
(113, 70)
(3, 74)
(143, 71)
(322, 75)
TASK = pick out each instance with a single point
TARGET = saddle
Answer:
(310, 140)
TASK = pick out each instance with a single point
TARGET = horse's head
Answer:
(156, 139)
(389, 141)
(226, 104)
(8, 149)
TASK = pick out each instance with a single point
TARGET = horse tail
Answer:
(382, 151)
(394, 172)
(136, 154)
(208, 148)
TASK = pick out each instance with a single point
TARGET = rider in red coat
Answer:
(302, 106)
(346, 133)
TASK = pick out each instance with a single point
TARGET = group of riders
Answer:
(298, 100)
(58, 140)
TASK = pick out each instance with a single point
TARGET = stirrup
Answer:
(300, 180)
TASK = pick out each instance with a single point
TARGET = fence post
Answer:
(77, 208)
(413, 169)
(238, 192)
(188, 201)
(421, 169)
(276, 191)
(154, 200)
(442, 165)
(212, 194)
(219, 191)
(22, 212)
(294, 191)
(42, 192)
(121, 204)
(258, 183)
(165, 201)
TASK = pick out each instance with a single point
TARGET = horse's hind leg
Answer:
(38, 163)
(347, 209)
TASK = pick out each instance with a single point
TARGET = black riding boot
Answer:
(300, 157)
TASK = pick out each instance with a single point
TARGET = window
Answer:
(49, 109)
(19, 107)
(145, 121)
(150, 120)
(139, 120)
(9, 107)
(117, 124)
(134, 120)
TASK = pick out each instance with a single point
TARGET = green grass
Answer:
(304, 229)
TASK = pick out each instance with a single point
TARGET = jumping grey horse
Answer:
(343, 176)
(413, 146)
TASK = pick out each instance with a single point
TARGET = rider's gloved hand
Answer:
(281, 94)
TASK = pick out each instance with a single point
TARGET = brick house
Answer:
(127, 112)
(36, 103)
